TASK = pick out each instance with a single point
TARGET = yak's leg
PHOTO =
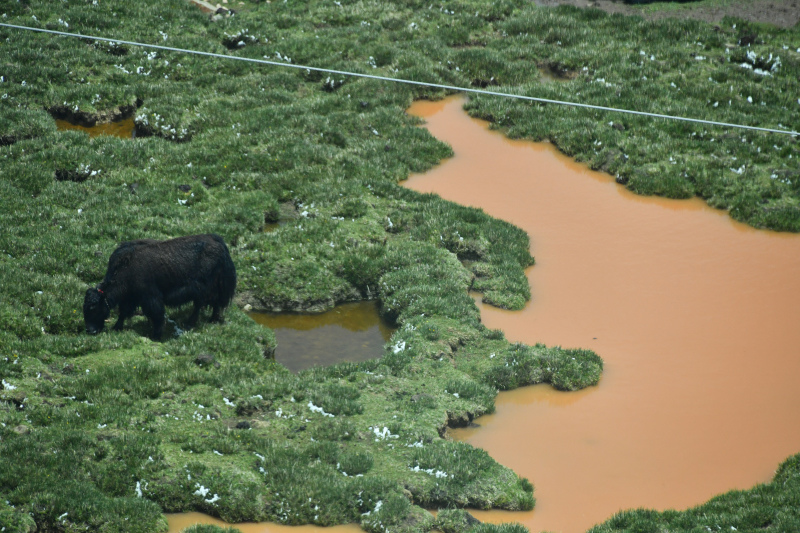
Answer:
(126, 310)
(216, 315)
(219, 304)
(153, 308)
(198, 306)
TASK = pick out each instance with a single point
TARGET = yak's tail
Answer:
(227, 279)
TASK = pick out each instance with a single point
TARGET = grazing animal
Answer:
(151, 274)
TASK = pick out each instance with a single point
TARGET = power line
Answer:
(408, 82)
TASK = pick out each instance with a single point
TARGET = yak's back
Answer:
(124, 253)
(175, 262)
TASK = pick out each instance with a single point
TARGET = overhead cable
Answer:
(409, 82)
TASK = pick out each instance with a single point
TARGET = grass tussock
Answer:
(460, 521)
(209, 528)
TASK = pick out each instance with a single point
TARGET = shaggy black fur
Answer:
(151, 274)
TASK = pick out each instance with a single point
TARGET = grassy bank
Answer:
(773, 506)
(108, 432)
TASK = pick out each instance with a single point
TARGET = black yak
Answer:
(151, 274)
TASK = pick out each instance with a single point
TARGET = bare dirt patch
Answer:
(783, 13)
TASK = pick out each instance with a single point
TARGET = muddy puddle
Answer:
(124, 129)
(553, 74)
(348, 332)
(269, 227)
(695, 315)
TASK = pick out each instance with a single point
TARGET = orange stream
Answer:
(697, 318)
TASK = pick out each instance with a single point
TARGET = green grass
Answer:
(208, 528)
(139, 428)
(460, 521)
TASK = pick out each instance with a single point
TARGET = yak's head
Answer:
(95, 310)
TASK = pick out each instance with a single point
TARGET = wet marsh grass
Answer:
(209, 528)
(139, 428)
(352, 331)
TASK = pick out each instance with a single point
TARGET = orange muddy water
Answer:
(121, 128)
(697, 318)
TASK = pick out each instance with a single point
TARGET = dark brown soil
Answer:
(784, 13)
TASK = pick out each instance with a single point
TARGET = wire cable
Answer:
(408, 82)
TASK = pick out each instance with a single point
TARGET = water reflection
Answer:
(349, 332)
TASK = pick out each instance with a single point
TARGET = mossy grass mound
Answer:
(16, 520)
(209, 528)
(460, 521)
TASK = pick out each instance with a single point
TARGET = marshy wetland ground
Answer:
(677, 298)
(107, 433)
